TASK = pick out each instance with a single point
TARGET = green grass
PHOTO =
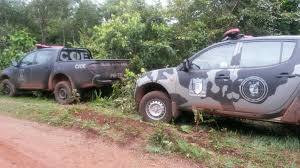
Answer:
(192, 151)
(222, 143)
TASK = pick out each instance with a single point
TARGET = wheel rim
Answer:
(6, 89)
(156, 109)
(62, 93)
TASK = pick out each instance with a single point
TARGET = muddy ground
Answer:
(26, 144)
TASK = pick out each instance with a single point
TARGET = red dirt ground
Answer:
(31, 145)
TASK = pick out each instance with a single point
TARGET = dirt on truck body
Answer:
(61, 70)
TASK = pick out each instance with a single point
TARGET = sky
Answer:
(150, 2)
(164, 2)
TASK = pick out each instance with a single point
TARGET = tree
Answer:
(86, 15)
(150, 35)
(18, 43)
(52, 18)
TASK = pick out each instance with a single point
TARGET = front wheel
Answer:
(7, 88)
(156, 106)
(63, 93)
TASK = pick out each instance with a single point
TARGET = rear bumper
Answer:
(98, 81)
(292, 114)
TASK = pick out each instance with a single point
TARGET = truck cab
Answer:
(254, 77)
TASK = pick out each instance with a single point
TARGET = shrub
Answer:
(160, 141)
(123, 92)
(164, 141)
(146, 43)
(19, 42)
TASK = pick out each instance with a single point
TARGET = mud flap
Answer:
(292, 114)
(175, 111)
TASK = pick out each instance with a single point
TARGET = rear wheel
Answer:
(63, 93)
(7, 88)
(156, 106)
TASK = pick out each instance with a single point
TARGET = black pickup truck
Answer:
(62, 71)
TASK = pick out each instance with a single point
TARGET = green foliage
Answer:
(19, 42)
(198, 116)
(103, 101)
(163, 141)
(123, 92)
(151, 36)
(127, 36)
(192, 151)
(186, 128)
(120, 37)
(160, 142)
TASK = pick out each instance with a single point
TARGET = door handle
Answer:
(222, 76)
(285, 75)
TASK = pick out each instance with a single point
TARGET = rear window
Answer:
(264, 53)
(287, 50)
(256, 54)
(74, 55)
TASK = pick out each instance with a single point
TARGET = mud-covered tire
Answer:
(63, 93)
(7, 88)
(156, 106)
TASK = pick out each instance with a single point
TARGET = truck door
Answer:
(209, 80)
(42, 68)
(24, 71)
(267, 76)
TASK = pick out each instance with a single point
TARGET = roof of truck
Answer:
(285, 37)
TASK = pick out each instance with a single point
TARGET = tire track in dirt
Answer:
(26, 144)
(15, 158)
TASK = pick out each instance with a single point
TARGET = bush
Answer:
(164, 141)
(123, 92)
(147, 44)
(160, 141)
(19, 42)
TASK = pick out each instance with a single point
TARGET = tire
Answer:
(161, 107)
(63, 93)
(7, 88)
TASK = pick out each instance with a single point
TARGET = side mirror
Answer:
(186, 65)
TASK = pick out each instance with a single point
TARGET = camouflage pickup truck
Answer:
(246, 77)
(61, 70)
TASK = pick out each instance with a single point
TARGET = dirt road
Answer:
(31, 145)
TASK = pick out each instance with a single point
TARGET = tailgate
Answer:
(108, 69)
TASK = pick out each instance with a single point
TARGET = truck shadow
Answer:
(86, 95)
(243, 126)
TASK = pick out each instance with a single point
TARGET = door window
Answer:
(43, 57)
(256, 54)
(28, 60)
(287, 50)
(216, 58)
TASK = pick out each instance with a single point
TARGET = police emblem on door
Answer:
(196, 87)
(254, 89)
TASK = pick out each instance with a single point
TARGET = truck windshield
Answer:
(74, 55)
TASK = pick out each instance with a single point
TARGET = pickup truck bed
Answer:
(91, 73)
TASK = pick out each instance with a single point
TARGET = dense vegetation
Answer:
(152, 35)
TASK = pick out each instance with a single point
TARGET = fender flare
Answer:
(142, 90)
(3, 76)
(51, 81)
